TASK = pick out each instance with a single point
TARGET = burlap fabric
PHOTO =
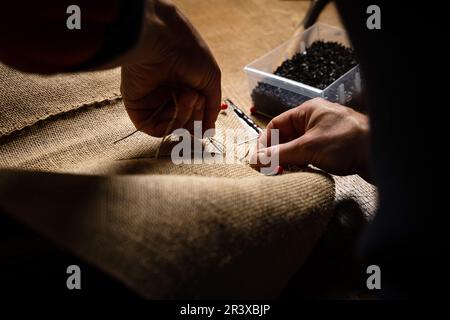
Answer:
(162, 230)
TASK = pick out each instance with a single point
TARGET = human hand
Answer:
(318, 132)
(170, 57)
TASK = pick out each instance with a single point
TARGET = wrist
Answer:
(363, 166)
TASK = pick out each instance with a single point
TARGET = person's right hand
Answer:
(170, 57)
(327, 135)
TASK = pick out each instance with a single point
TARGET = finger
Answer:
(197, 114)
(149, 121)
(141, 80)
(162, 128)
(186, 103)
(155, 120)
(203, 74)
(150, 102)
(295, 152)
(183, 109)
(290, 125)
(213, 94)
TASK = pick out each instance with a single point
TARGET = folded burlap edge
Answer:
(189, 247)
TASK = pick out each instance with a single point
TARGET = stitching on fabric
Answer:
(8, 136)
(5, 130)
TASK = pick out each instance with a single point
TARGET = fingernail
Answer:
(255, 157)
(254, 160)
(278, 171)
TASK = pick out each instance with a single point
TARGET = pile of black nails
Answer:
(319, 66)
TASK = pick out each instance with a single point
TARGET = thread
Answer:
(218, 145)
(147, 121)
(170, 126)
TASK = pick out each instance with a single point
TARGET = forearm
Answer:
(363, 165)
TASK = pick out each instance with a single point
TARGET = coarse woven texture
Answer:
(20, 110)
(161, 229)
(179, 236)
(244, 240)
(359, 191)
(55, 125)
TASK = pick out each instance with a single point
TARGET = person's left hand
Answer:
(171, 57)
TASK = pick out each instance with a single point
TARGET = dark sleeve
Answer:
(38, 40)
(398, 240)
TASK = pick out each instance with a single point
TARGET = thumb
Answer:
(294, 152)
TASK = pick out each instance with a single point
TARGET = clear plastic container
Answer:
(287, 93)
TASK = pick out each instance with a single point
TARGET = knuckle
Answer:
(318, 100)
(312, 103)
(274, 123)
(216, 72)
(168, 5)
(216, 67)
(343, 111)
